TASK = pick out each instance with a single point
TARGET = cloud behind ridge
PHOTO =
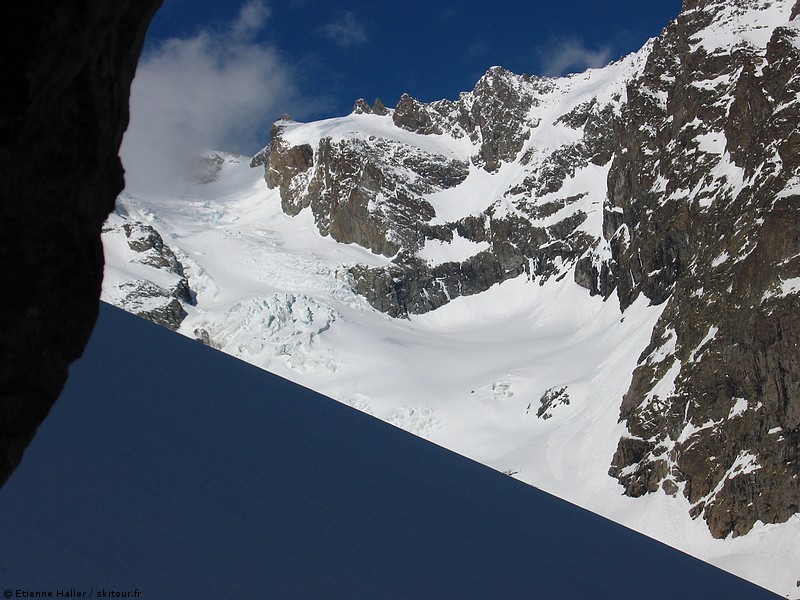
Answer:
(564, 56)
(217, 90)
(346, 31)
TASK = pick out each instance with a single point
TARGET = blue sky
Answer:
(217, 74)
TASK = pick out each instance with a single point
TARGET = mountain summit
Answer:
(564, 278)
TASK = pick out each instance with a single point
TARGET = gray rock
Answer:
(718, 261)
(165, 307)
(412, 115)
(550, 400)
(362, 107)
(367, 192)
(378, 108)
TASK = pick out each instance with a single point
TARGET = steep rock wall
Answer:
(706, 191)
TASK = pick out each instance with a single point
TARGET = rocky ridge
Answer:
(706, 197)
(374, 187)
(160, 289)
(672, 174)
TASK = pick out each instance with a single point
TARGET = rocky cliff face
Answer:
(705, 193)
(67, 74)
(673, 174)
(161, 288)
(374, 187)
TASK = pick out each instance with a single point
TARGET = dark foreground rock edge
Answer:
(66, 74)
(211, 478)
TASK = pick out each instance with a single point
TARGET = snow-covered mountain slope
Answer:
(184, 473)
(482, 376)
(550, 276)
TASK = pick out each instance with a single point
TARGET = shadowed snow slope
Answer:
(176, 470)
(526, 377)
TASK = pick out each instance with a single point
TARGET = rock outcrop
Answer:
(374, 189)
(363, 191)
(162, 290)
(706, 199)
(67, 71)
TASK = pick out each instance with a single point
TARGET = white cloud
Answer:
(571, 56)
(478, 49)
(218, 90)
(251, 20)
(345, 32)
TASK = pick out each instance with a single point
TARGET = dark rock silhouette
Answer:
(66, 73)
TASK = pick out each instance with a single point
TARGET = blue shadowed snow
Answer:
(172, 468)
